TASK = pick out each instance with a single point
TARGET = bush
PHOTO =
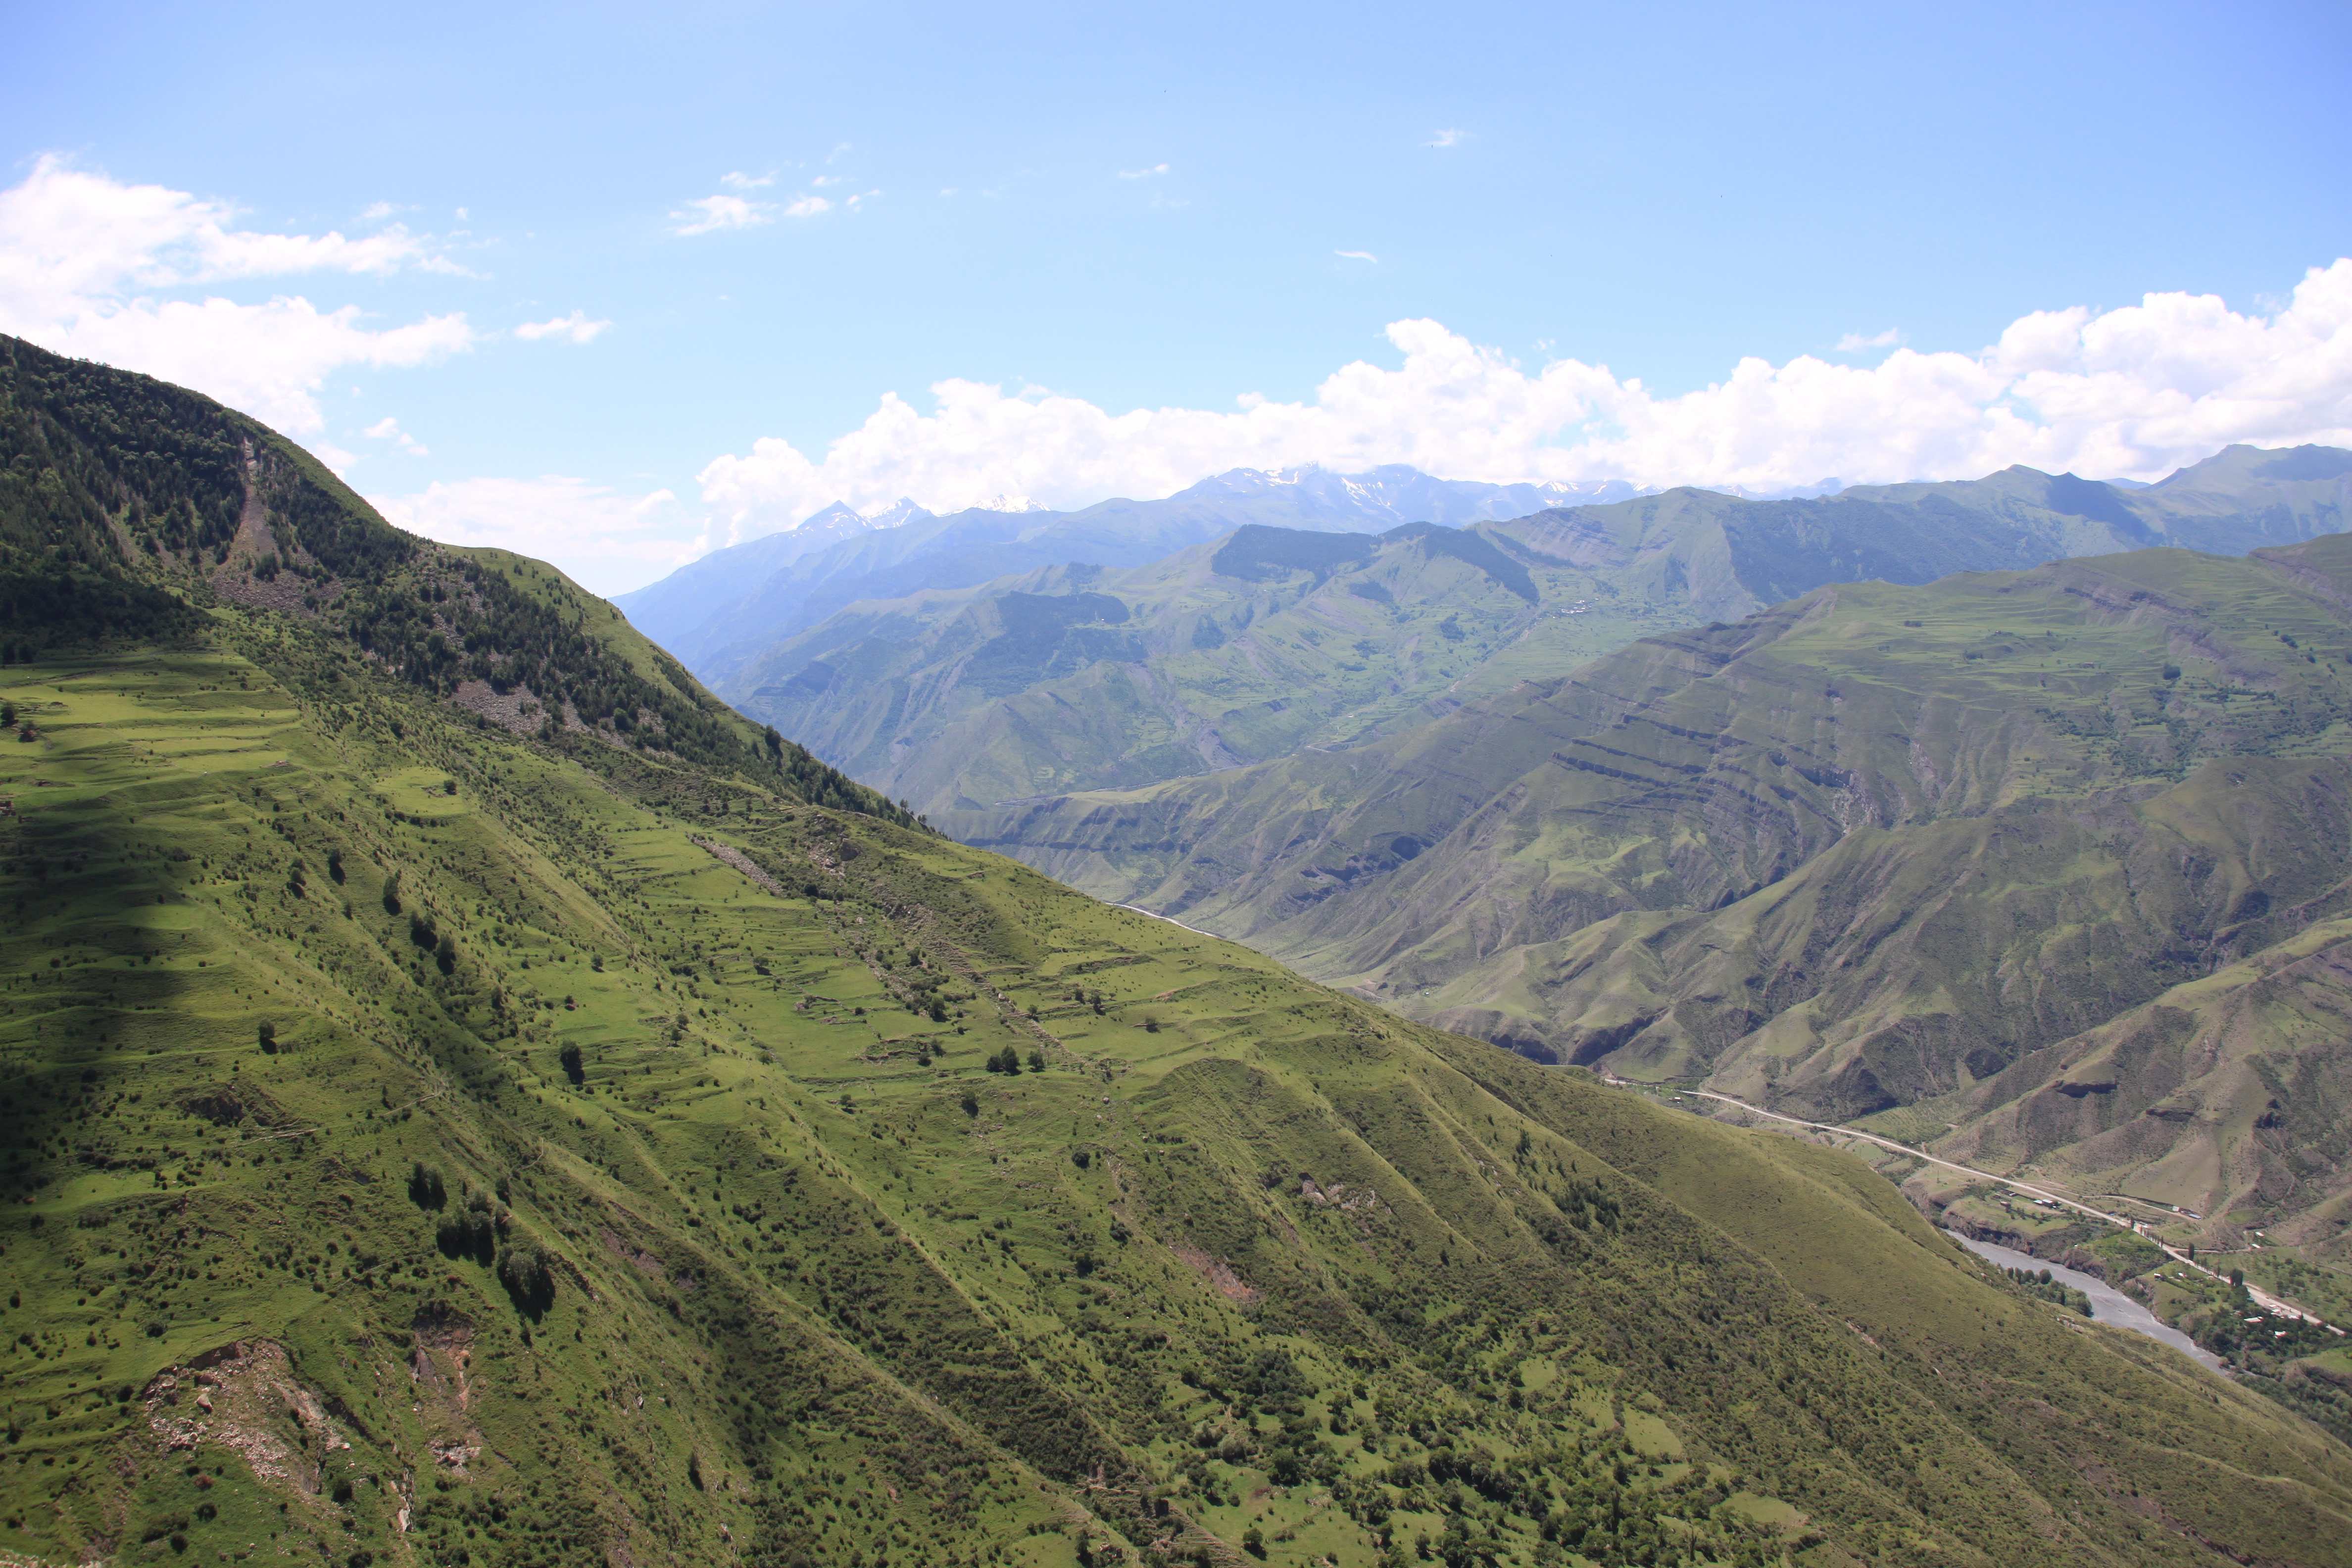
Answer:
(425, 1189)
(570, 1056)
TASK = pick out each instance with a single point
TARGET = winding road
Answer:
(2269, 1303)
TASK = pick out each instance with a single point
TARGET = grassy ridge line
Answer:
(721, 1224)
(125, 501)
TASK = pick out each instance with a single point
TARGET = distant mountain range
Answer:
(1267, 641)
(723, 610)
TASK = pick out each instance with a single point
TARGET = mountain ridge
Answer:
(1219, 656)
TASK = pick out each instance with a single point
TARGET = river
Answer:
(2108, 1305)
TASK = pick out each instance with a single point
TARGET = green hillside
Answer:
(439, 1140)
(1272, 641)
(2032, 847)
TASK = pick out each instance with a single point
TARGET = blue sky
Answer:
(1098, 215)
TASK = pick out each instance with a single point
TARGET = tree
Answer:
(528, 1277)
(570, 1056)
(425, 1186)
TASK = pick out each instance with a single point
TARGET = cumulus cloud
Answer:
(575, 328)
(609, 539)
(1447, 138)
(1152, 173)
(95, 268)
(2128, 393)
(1857, 342)
(809, 206)
(736, 180)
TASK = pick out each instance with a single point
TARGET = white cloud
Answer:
(1447, 138)
(574, 328)
(609, 541)
(721, 212)
(1856, 343)
(92, 266)
(1152, 173)
(715, 214)
(388, 429)
(2128, 393)
(1357, 255)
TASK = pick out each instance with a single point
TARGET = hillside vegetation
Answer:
(2052, 861)
(438, 1140)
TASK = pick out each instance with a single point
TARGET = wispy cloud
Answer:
(1856, 342)
(1357, 255)
(1152, 173)
(574, 328)
(718, 214)
(730, 209)
(388, 429)
(1449, 137)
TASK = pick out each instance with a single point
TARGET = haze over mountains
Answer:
(725, 607)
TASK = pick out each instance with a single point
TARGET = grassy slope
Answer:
(806, 1302)
(1868, 849)
(433, 1142)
